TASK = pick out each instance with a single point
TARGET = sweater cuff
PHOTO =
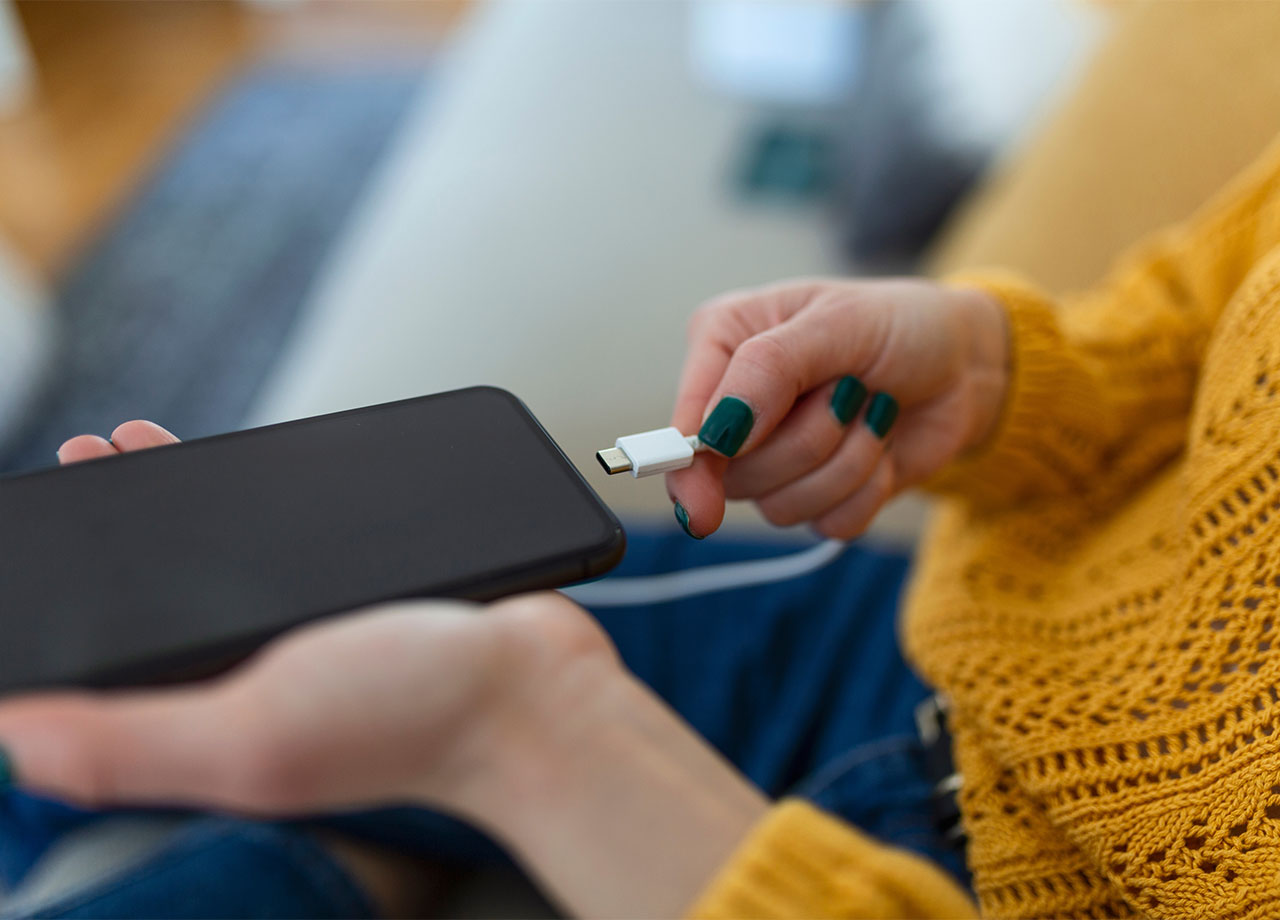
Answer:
(1036, 439)
(801, 862)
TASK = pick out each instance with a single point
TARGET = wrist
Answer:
(546, 653)
(983, 328)
(602, 792)
(626, 811)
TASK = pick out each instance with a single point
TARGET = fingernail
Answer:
(6, 771)
(727, 426)
(881, 414)
(683, 517)
(848, 398)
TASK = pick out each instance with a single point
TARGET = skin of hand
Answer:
(517, 716)
(941, 353)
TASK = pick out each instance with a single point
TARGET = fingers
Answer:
(771, 370)
(698, 492)
(141, 748)
(139, 435)
(852, 517)
(85, 447)
(751, 357)
(715, 332)
(135, 435)
(704, 365)
(717, 329)
(810, 497)
(800, 444)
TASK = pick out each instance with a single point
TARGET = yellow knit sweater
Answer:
(1098, 598)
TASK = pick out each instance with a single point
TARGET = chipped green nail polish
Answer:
(881, 414)
(727, 426)
(848, 398)
(683, 517)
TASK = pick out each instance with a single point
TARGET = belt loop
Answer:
(935, 739)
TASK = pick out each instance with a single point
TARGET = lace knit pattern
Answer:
(1106, 627)
(1099, 599)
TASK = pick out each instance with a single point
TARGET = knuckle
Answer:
(712, 311)
(261, 777)
(885, 480)
(811, 445)
(859, 470)
(769, 355)
(853, 517)
(550, 628)
(779, 512)
(838, 529)
(86, 762)
(261, 770)
(95, 785)
(697, 320)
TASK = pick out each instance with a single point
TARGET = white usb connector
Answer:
(650, 452)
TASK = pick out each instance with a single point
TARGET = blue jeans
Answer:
(799, 683)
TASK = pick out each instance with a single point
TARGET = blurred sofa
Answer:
(557, 204)
(1179, 98)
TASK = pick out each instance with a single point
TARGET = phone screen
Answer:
(172, 561)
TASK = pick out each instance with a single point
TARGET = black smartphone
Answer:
(175, 562)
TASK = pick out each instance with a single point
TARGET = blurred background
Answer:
(218, 214)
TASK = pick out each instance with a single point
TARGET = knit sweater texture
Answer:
(1098, 599)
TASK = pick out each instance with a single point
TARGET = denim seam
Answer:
(326, 874)
(336, 881)
(833, 771)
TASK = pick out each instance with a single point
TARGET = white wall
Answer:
(16, 72)
(26, 333)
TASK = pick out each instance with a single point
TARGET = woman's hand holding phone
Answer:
(516, 715)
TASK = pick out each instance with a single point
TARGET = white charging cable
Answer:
(660, 451)
(706, 579)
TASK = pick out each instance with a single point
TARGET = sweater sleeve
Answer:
(801, 862)
(1101, 384)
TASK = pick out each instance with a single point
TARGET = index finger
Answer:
(717, 331)
(699, 489)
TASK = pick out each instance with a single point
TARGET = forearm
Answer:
(610, 800)
(1101, 383)
(620, 810)
(1098, 396)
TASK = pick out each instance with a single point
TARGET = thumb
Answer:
(149, 748)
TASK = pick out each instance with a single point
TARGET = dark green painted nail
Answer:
(881, 414)
(848, 398)
(683, 517)
(6, 771)
(727, 426)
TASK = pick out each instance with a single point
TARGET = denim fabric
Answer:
(799, 683)
(221, 867)
(884, 788)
